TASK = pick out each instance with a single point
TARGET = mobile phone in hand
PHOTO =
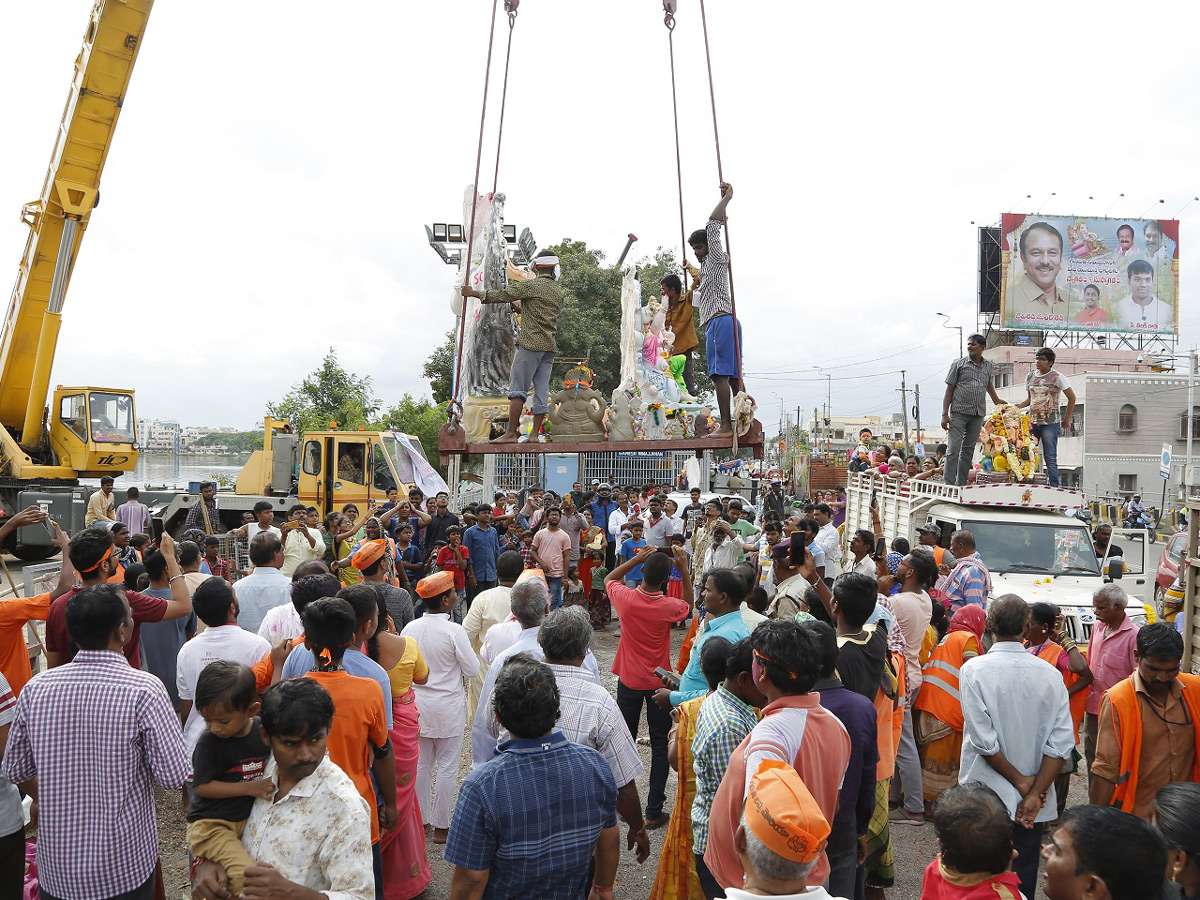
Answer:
(668, 678)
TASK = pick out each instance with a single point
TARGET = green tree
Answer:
(590, 322)
(328, 394)
(422, 419)
(239, 441)
(439, 368)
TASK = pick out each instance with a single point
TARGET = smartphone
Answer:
(669, 678)
(874, 492)
(156, 525)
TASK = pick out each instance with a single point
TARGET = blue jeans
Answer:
(1048, 435)
(555, 586)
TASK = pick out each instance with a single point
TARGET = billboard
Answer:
(1085, 273)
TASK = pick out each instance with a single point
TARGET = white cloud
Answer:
(272, 172)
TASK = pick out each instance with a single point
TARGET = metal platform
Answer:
(454, 444)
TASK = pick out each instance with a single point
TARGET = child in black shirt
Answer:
(227, 764)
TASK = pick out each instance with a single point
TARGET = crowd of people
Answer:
(828, 690)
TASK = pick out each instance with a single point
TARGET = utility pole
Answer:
(904, 409)
(917, 410)
(1187, 466)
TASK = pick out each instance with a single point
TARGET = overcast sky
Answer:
(273, 168)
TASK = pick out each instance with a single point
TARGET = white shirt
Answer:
(913, 614)
(616, 522)
(499, 638)
(281, 622)
(1015, 703)
(812, 893)
(447, 651)
(258, 593)
(724, 556)
(253, 528)
(830, 541)
(865, 566)
(1151, 317)
(485, 731)
(319, 835)
(228, 642)
(490, 607)
(296, 550)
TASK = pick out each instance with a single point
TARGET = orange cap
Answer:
(435, 585)
(369, 552)
(783, 814)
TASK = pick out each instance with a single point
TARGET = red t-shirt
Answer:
(359, 720)
(145, 609)
(445, 562)
(645, 643)
(939, 884)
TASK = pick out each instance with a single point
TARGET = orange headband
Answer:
(92, 568)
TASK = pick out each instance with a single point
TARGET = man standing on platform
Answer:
(722, 343)
(968, 382)
(538, 302)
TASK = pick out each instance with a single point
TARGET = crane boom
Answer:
(59, 217)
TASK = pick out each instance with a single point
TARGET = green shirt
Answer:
(744, 529)
(541, 300)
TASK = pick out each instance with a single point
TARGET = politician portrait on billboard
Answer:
(1090, 274)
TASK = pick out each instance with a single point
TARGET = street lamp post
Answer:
(947, 324)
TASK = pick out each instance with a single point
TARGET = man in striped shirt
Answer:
(969, 582)
(722, 348)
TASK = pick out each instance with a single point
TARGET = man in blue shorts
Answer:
(716, 311)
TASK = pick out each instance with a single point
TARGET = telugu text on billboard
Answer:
(1085, 273)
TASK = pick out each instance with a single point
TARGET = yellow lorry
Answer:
(325, 469)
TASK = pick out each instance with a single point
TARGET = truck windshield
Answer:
(1044, 549)
(112, 418)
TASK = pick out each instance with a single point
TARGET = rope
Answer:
(669, 21)
(455, 404)
(510, 6)
(737, 350)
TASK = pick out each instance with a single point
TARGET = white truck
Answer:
(1025, 534)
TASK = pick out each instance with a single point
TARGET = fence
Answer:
(634, 467)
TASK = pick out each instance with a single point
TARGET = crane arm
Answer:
(59, 217)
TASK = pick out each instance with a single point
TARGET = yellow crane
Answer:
(86, 431)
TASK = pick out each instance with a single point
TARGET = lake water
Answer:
(158, 469)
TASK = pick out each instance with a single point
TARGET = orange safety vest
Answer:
(939, 688)
(1127, 719)
(1050, 652)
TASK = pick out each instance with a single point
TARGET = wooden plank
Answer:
(453, 445)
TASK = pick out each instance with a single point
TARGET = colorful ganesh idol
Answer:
(1007, 445)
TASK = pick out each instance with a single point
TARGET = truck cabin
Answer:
(338, 468)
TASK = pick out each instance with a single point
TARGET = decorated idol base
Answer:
(1009, 451)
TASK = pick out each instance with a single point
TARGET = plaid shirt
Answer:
(98, 735)
(714, 277)
(970, 386)
(968, 582)
(723, 723)
(220, 568)
(541, 299)
(589, 716)
(532, 816)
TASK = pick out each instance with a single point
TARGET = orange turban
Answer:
(368, 552)
(783, 814)
(435, 585)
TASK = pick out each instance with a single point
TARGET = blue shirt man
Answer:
(483, 544)
(692, 682)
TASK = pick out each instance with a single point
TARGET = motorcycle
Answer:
(1143, 520)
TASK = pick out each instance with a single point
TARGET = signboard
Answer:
(919, 450)
(1024, 340)
(1089, 274)
(1164, 467)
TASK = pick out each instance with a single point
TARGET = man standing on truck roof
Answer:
(968, 382)
(969, 582)
(1042, 388)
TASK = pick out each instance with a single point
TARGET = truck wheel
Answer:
(1158, 601)
(32, 553)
